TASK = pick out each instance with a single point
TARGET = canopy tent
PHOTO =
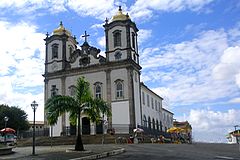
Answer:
(138, 130)
(175, 129)
(8, 130)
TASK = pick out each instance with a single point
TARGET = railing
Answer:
(38, 133)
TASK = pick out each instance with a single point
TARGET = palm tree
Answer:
(81, 102)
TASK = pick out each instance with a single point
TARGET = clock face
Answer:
(54, 66)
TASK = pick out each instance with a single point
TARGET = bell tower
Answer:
(59, 46)
(121, 38)
(124, 74)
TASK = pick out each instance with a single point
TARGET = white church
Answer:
(114, 77)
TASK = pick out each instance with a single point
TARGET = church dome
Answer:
(61, 30)
(120, 16)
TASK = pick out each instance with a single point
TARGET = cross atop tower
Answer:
(85, 36)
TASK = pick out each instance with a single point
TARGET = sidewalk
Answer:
(93, 151)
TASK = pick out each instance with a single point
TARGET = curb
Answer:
(101, 155)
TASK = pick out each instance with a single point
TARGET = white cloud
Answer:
(143, 35)
(235, 100)
(96, 26)
(189, 69)
(21, 65)
(102, 41)
(29, 6)
(206, 123)
(99, 9)
(142, 10)
(229, 65)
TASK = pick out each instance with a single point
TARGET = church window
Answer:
(54, 90)
(117, 38)
(148, 101)
(157, 124)
(149, 122)
(118, 55)
(144, 121)
(167, 119)
(152, 103)
(133, 40)
(55, 51)
(160, 125)
(72, 90)
(156, 104)
(159, 106)
(143, 97)
(119, 89)
(98, 90)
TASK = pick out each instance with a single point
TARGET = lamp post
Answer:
(34, 106)
(5, 136)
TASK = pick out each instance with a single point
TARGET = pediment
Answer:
(86, 55)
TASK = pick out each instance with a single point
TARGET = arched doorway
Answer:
(85, 125)
(99, 128)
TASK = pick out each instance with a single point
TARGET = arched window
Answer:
(149, 122)
(161, 126)
(98, 90)
(144, 121)
(153, 123)
(133, 40)
(157, 124)
(55, 50)
(119, 88)
(143, 97)
(117, 38)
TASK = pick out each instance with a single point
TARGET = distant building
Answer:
(233, 137)
(39, 125)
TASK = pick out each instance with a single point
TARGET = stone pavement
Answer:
(62, 152)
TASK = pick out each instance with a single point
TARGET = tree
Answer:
(17, 118)
(81, 102)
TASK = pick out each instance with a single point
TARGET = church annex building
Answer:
(115, 78)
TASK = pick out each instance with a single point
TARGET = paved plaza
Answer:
(197, 151)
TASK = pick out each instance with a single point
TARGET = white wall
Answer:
(120, 112)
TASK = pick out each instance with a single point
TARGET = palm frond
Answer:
(57, 105)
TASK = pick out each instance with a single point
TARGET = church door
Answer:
(85, 125)
(99, 128)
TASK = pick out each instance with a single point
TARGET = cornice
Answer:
(93, 69)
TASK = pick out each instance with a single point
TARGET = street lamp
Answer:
(5, 135)
(34, 106)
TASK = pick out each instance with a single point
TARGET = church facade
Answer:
(114, 78)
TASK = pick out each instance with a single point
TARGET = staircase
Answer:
(67, 140)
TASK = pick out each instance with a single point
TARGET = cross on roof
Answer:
(85, 36)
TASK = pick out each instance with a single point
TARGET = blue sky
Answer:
(189, 51)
